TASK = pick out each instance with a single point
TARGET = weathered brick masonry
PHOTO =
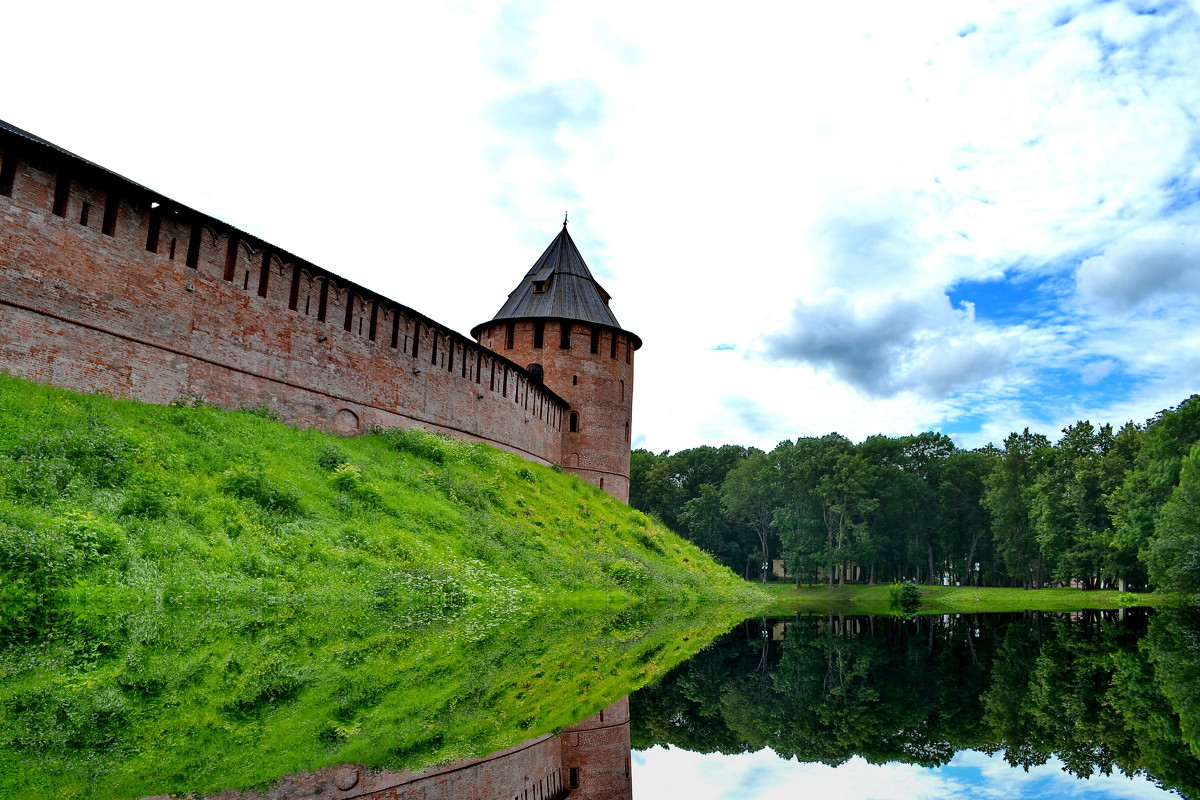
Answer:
(106, 286)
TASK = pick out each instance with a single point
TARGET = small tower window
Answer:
(573, 422)
(193, 252)
(536, 373)
(153, 230)
(62, 194)
(595, 340)
(564, 342)
(111, 206)
(574, 380)
(8, 174)
(539, 287)
(231, 255)
(539, 333)
(511, 334)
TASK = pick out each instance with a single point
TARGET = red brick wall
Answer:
(596, 755)
(203, 311)
(530, 771)
(598, 386)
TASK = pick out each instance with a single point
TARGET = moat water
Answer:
(1016, 705)
(1001, 705)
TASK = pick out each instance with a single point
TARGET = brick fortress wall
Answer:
(105, 286)
(531, 770)
(587, 761)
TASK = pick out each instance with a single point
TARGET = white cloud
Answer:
(662, 772)
(917, 344)
(723, 173)
(1096, 371)
(1157, 265)
(1051, 780)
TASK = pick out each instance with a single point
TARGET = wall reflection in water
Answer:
(587, 761)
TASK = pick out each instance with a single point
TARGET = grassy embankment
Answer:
(853, 599)
(193, 599)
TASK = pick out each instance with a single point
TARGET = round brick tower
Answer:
(558, 325)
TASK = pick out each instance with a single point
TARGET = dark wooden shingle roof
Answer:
(559, 286)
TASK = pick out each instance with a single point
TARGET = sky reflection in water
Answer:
(670, 772)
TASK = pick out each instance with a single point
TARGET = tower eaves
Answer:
(559, 286)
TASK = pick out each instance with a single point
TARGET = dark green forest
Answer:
(1101, 507)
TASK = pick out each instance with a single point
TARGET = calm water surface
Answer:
(1025, 705)
(1021, 705)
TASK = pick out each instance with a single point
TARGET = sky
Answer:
(670, 772)
(967, 216)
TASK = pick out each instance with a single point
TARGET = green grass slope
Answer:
(193, 599)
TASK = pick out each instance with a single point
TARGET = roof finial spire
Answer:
(565, 214)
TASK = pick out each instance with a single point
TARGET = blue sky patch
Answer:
(964, 427)
(1179, 193)
(1007, 301)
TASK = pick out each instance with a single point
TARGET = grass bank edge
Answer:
(789, 599)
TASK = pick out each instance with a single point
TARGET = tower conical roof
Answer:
(559, 286)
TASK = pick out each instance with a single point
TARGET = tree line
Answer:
(1098, 508)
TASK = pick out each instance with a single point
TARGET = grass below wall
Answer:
(193, 600)
(854, 599)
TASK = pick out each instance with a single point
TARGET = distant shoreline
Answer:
(862, 599)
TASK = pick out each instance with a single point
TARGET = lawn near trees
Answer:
(857, 599)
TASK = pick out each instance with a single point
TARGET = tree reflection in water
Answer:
(1098, 691)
